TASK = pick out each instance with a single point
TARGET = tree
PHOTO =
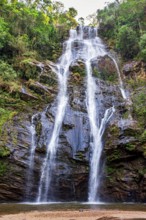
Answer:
(4, 32)
(127, 42)
(73, 12)
(81, 21)
(122, 23)
(92, 19)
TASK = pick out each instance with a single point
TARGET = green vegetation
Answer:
(3, 168)
(30, 32)
(4, 152)
(7, 73)
(116, 154)
(33, 29)
(105, 75)
(139, 107)
(142, 45)
(130, 146)
(123, 24)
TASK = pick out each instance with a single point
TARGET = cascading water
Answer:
(120, 79)
(62, 71)
(85, 45)
(32, 152)
(95, 49)
(97, 146)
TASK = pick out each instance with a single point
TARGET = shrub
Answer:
(127, 42)
(142, 45)
(4, 33)
(7, 72)
(139, 107)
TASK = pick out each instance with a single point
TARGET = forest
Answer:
(123, 25)
(29, 31)
(37, 29)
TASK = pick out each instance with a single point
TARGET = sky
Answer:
(85, 7)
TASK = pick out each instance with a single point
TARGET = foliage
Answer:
(33, 26)
(142, 45)
(127, 42)
(4, 152)
(130, 146)
(7, 72)
(139, 107)
(143, 136)
(29, 30)
(4, 32)
(123, 24)
(105, 75)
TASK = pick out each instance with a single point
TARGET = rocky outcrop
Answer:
(125, 163)
(105, 69)
(134, 70)
(124, 152)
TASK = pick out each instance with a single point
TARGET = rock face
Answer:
(125, 164)
(134, 70)
(124, 173)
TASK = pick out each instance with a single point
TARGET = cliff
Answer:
(123, 161)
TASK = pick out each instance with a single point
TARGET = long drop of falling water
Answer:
(32, 152)
(91, 48)
(62, 73)
(97, 134)
(120, 79)
(97, 147)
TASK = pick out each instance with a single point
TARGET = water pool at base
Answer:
(14, 208)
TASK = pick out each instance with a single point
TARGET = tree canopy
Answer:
(123, 24)
(33, 28)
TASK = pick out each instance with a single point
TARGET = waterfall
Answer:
(32, 153)
(94, 48)
(97, 146)
(120, 79)
(83, 44)
(62, 71)
(97, 131)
